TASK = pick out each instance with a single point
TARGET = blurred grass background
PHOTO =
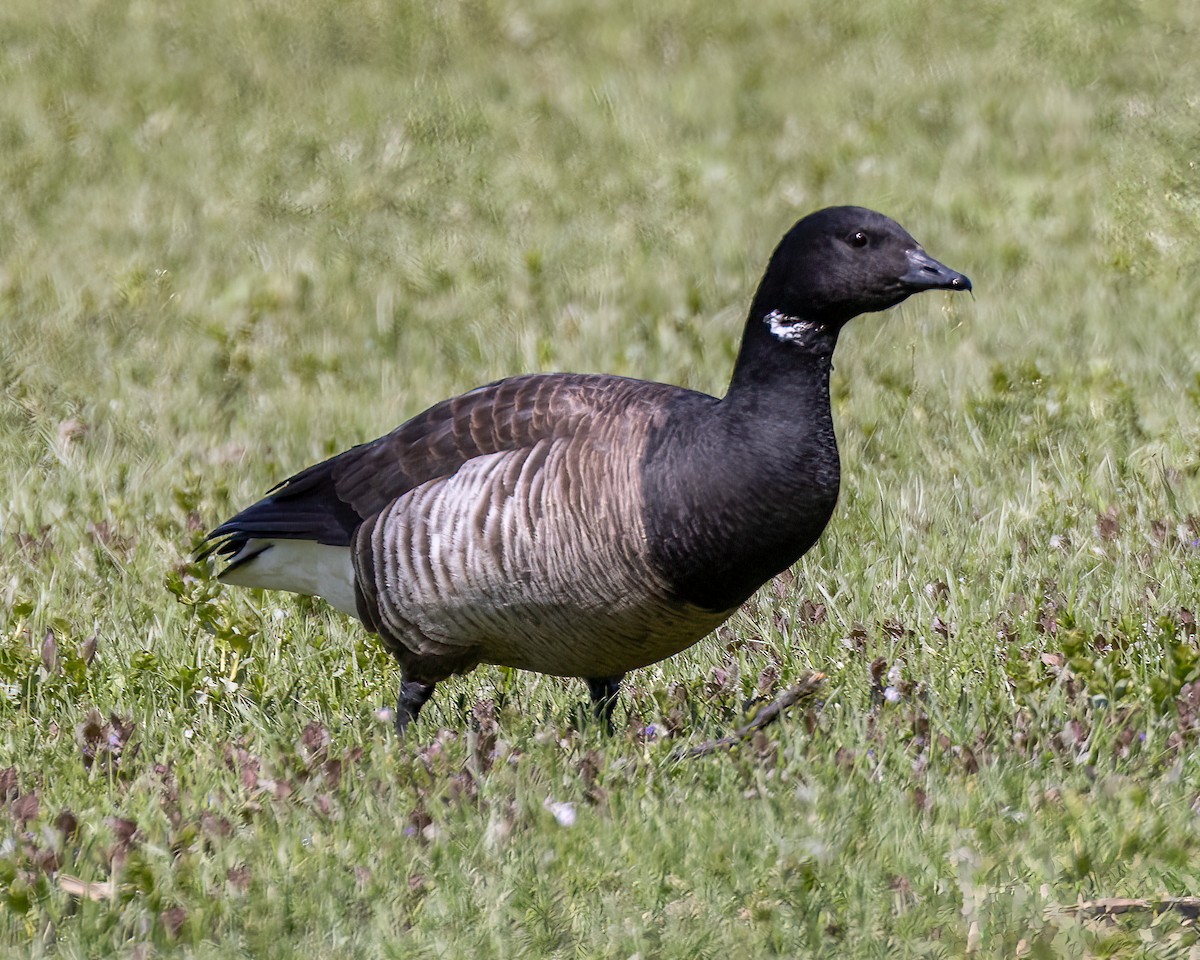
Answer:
(238, 237)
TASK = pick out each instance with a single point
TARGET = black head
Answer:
(840, 262)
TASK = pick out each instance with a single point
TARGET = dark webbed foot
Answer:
(604, 692)
(412, 698)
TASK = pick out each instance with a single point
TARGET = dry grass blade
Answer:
(1107, 908)
(764, 718)
(73, 886)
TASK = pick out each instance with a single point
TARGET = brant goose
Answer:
(585, 525)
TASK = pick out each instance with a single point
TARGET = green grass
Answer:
(237, 237)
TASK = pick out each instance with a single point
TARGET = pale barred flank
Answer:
(534, 559)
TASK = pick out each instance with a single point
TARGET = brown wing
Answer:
(329, 500)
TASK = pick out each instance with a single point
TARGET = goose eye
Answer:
(859, 239)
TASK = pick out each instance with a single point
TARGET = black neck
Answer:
(770, 368)
(749, 487)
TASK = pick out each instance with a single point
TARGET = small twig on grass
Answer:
(1110, 907)
(764, 718)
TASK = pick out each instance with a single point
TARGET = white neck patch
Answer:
(793, 329)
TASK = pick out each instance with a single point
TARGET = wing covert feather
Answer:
(328, 501)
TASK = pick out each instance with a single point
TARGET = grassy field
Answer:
(237, 237)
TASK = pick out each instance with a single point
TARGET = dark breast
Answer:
(728, 505)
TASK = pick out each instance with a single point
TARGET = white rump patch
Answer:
(298, 566)
(783, 327)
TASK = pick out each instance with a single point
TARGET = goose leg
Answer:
(604, 692)
(412, 698)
